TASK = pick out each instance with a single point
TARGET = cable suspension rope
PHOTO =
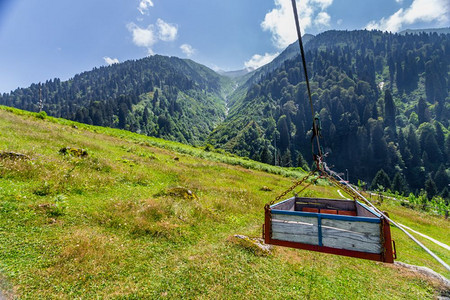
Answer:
(302, 51)
(443, 263)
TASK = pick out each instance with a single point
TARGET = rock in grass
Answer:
(427, 272)
(77, 152)
(181, 192)
(266, 189)
(254, 245)
(13, 155)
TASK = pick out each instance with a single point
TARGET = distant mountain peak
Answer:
(234, 74)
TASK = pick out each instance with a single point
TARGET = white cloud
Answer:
(393, 23)
(187, 49)
(323, 19)
(143, 37)
(110, 61)
(215, 68)
(259, 60)
(144, 5)
(323, 3)
(339, 22)
(148, 36)
(418, 11)
(399, 1)
(280, 20)
(166, 32)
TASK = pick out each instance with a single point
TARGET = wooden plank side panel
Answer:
(291, 218)
(306, 233)
(294, 228)
(349, 240)
(296, 238)
(364, 212)
(288, 204)
(364, 255)
(324, 203)
(359, 227)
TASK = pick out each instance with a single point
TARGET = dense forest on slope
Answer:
(161, 96)
(383, 101)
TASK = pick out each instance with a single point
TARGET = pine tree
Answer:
(381, 180)
(266, 156)
(286, 160)
(441, 178)
(284, 133)
(445, 194)
(430, 188)
(422, 111)
(145, 116)
(399, 184)
(389, 109)
(301, 162)
(123, 111)
(155, 98)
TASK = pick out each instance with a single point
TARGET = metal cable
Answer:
(443, 263)
(302, 51)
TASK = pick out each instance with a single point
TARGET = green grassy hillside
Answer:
(120, 223)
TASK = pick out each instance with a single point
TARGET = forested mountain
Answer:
(161, 96)
(383, 101)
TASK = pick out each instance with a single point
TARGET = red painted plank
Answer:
(267, 225)
(310, 209)
(329, 250)
(328, 211)
(347, 212)
(388, 255)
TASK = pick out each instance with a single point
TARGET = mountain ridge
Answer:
(184, 101)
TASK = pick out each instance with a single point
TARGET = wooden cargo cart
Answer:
(342, 227)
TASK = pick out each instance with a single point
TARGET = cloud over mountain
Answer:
(187, 49)
(148, 36)
(166, 32)
(110, 61)
(418, 11)
(280, 22)
(258, 60)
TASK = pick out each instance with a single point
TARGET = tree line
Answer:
(383, 103)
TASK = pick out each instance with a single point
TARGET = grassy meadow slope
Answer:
(115, 224)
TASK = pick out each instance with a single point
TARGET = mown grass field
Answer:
(120, 224)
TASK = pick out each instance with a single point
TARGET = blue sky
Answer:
(44, 39)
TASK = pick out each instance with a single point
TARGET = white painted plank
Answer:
(350, 240)
(295, 232)
(293, 218)
(299, 238)
(361, 227)
(356, 236)
(294, 228)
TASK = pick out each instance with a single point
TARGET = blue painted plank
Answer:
(326, 216)
(319, 225)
